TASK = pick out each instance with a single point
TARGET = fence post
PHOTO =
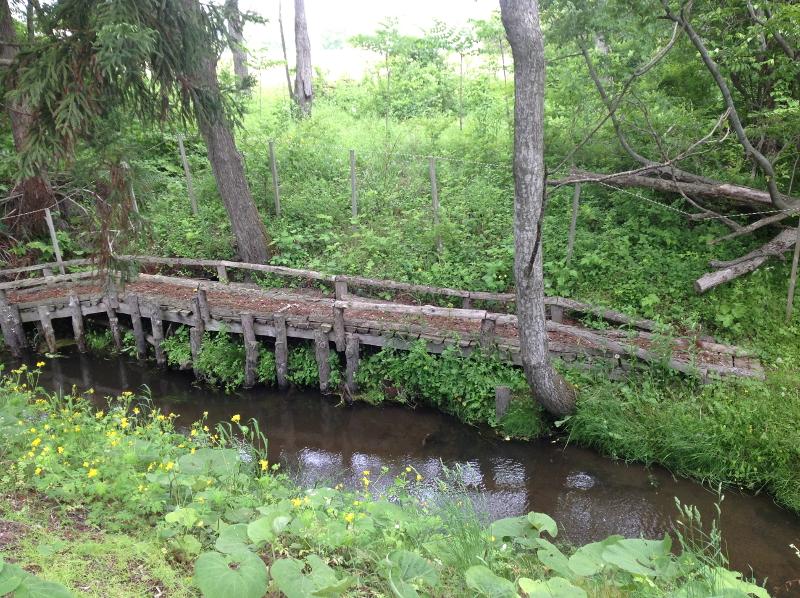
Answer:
(353, 186)
(576, 199)
(793, 278)
(275, 182)
(188, 173)
(56, 248)
(435, 201)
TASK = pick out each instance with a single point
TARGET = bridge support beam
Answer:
(47, 328)
(250, 351)
(77, 321)
(281, 351)
(351, 353)
(138, 329)
(157, 324)
(323, 353)
(11, 323)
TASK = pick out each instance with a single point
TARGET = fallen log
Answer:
(730, 270)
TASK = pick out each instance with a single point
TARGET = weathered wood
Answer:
(202, 301)
(157, 324)
(37, 282)
(339, 328)
(40, 267)
(250, 351)
(47, 273)
(351, 353)
(280, 270)
(487, 333)
(77, 321)
(188, 173)
(54, 240)
(113, 322)
(281, 351)
(576, 204)
(47, 328)
(466, 303)
(793, 276)
(435, 201)
(276, 185)
(132, 301)
(322, 353)
(419, 310)
(601, 312)
(196, 334)
(502, 400)
(353, 185)
(10, 326)
(222, 274)
(340, 288)
(557, 313)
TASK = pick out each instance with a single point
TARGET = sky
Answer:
(330, 20)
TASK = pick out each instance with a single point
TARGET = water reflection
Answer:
(589, 496)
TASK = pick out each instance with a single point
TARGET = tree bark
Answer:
(285, 55)
(35, 192)
(521, 21)
(226, 162)
(236, 32)
(303, 91)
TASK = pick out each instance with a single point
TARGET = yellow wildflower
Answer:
(296, 502)
(136, 411)
(92, 472)
(193, 432)
(205, 414)
(127, 393)
(419, 478)
(365, 481)
(123, 422)
(40, 364)
(349, 517)
(60, 450)
(86, 464)
(264, 464)
(36, 441)
(99, 414)
(161, 417)
(77, 428)
(365, 472)
(169, 465)
(408, 469)
(33, 430)
(236, 418)
(192, 452)
(38, 470)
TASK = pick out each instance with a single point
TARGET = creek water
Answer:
(589, 496)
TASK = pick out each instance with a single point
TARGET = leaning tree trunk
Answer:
(35, 192)
(521, 22)
(226, 163)
(303, 92)
(236, 32)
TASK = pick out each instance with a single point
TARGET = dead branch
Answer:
(754, 226)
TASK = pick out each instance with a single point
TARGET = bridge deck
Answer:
(344, 319)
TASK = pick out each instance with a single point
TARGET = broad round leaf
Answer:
(241, 574)
(557, 587)
(485, 583)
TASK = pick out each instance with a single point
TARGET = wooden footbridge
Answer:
(203, 294)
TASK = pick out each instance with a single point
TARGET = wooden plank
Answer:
(37, 282)
(77, 321)
(10, 327)
(157, 324)
(557, 314)
(340, 288)
(250, 350)
(276, 185)
(41, 267)
(420, 310)
(196, 334)
(352, 350)
(322, 353)
(132, 301)
(47, 328)
(202, 301)
(222, 274)
(487, 333)
(54, 240)
(281, 351)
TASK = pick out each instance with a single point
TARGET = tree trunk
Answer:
(285, 56)
(303, 92)
(521, 21)
(35, 192)
(236, 32)
(226, 162)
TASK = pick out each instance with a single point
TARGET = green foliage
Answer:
(303, 369)
(99, 341)
(18, 583)
(221, 360)
(177, 347)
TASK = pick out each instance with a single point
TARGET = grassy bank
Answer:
(118, 501)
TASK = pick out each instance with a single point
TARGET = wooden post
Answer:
(352, 355)
(338, 328)
(138, 330)
(77, 321)
(276, 185)
(793, 277)
(281, 351)
(202, 301)
(435, 201)
(576, 201)
(196, 334)
(113, 322)
(157, 324)
(188, 172)
(340, 288)
(353, 186)
(466, 303)
(222, 274)
(10, 327)
(557, 313)
(250, 351)
(487, 333)
(54, 239)
(502, 399)
(47, 328)
(322, 353)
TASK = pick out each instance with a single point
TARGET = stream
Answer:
(590, 496)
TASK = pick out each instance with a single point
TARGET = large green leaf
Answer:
(543, 523)
(723, 583)
(406, 570)
(485, 583)
(588, 559)
(268, 527)
(210, 461)
(186, 517)
(241, 574)
(320, 581)
(550, 556)
(232, 538)
(10, 577)
(556, 587)
(640, 557)
(34, 587)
